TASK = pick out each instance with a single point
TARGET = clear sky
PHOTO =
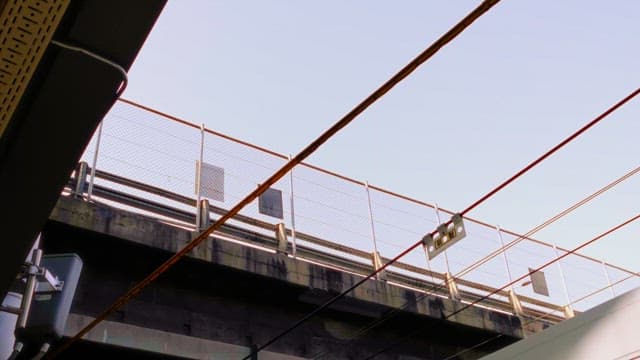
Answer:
(518, 81)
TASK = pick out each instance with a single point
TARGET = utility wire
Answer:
(430, 51)
(91, 54)
(387, 86)
(472, 267)
(548, 222)
(322, 170)
(550, 152)
(344, 121)
(511, 283)
(454, 356)
(475, 204)
(501, 186)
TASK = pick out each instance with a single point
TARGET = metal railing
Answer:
(148, 162)
(343, 260)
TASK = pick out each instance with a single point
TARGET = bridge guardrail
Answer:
(352, 217)
(436, 287)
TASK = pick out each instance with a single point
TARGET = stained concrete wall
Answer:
(242, 296)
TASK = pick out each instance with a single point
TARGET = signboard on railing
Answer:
(539, 282)
(270, 203)
(210, 181)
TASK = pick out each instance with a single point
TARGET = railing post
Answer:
(377, 263)
(202, 220)
(504, 254)
(293, 215)
(513, 296)
(95, 162)
(568, 309)
(606, 274)
(281, 237)
(199, 178)
(515, 302)
(81, 179)
(454, 293)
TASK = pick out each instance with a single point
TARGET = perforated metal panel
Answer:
(210, 182)
(26, 28)
(270, 203)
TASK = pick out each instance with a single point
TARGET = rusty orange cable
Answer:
(484, 198)
(515, 281)
(313, 146)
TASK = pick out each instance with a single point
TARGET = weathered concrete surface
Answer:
(162, 342)
(148, 231)
(240, 295)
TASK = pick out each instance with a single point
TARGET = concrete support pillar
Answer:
(454, 293)
(515, 303)
(377, 264)
(281, 237)
(203, 218)
(568, 312)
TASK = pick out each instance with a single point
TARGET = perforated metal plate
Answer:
(211, 181)
(26, 28)
(270, 203)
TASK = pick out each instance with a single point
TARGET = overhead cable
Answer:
(515, 281)
(497, 252)
(548, 222)
(551, 151)
(102, 59)
(430, 51)
(344, 121)
(540, 317)
(484, 198)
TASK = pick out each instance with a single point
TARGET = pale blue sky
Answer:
(526, 75)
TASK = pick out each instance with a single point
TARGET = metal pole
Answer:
(606, 274)
(564, 281)
(27, 297)
(293, 215)
(199, 180)
(95, 162)
(446, 258)
(81, 179)
(373, 230)
(504, 255)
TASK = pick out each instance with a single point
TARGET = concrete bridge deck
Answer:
(227, 297)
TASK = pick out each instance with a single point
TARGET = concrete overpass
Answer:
(237, 292)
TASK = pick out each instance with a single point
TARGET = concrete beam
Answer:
(162, 342)
(320, 281)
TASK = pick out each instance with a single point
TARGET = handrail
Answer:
(304, 252)
(351, 180)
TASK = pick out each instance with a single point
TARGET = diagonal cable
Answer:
(340, 124)
(497, 252)
(511, 283)
(430, 51)
(475, 204)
